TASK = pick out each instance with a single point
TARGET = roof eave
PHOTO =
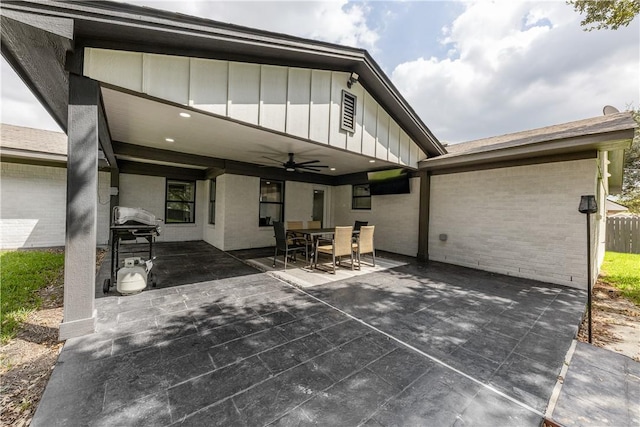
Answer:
(608, 141)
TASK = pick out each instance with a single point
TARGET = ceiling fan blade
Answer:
(309, 162)
(314, 166)
(309, 168)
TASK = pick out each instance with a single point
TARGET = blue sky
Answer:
(469, 69)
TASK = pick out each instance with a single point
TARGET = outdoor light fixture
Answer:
(588, 206)
(353, 78)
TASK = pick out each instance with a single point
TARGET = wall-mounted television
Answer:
(392, 181)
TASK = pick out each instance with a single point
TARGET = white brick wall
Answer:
(395, 217)
(521, 221)
(33, 206)
(241, 213)
(148, 192)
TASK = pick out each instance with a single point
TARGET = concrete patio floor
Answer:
(220, 343)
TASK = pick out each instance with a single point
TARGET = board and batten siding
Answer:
(300, 102)
(521, 221)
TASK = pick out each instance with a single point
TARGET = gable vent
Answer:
(348, 116)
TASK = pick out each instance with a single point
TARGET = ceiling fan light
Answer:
(290, 169)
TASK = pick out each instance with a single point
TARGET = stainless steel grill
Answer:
(130, 224)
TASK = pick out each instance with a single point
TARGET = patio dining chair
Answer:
(364, 244)
(359, 224)
(288, 244)
(314, 224)
(356, 227)
(339, 247)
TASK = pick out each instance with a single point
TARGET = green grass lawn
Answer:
(22, 274)
(623, 272)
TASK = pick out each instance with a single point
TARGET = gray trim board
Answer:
(157, 154)
(149, 169)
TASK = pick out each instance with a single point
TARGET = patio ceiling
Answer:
(147, 122)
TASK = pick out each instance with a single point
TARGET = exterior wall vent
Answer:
(348, 113)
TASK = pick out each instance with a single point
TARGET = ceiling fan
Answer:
(292, 166)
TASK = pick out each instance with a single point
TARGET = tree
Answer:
(630, 196)
(606, 14)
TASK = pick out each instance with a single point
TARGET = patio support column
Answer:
(82, 200)
(423, 216)
(115, 188)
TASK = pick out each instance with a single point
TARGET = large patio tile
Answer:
(436, 398)
(401, 367)
(242, 348)
(472, 364)
(221, 414)
(200, 392)
(271, 399)
(149, 411)
(527, 380)
(344, 332)
(537, 347)
(295, 352)
(347, 403)
(299, 328)
(350, 357)
(491, 345)
(491, 409)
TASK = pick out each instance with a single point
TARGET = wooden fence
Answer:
(623, 234)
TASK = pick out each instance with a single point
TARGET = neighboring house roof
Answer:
(18, 142)
(580, 128)
(612, 133)
(614, 208)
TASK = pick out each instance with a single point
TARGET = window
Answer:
(271, 202)
(180, 202)
(348, 113)
(360, 197)
(212, 201)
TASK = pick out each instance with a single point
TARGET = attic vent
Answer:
(348, 116)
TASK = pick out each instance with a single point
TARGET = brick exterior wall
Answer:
(33, 206)
(395, 217)
(521, 221)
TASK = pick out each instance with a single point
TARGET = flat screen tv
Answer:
(393, 181)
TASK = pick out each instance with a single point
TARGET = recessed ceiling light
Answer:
(185, 115)
(170, 140)
(332, 169)
(268, 182)
(372, 161)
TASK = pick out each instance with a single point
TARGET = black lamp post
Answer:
(588, 206)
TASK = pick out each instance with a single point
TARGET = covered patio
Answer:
(411, 345)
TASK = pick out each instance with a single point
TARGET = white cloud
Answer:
(333, 21)
(19, 106)
(514, 66)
